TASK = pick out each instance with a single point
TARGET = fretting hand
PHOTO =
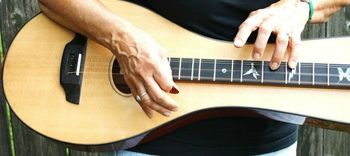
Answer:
(286, 19)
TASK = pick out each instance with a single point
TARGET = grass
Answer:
(10, 129)
(1, 52)
(8, 113)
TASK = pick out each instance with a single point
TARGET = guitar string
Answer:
(256, 64)
(279, 73)
(237, 80)
(219, 69)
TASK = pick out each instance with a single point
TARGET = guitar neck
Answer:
(245, 71)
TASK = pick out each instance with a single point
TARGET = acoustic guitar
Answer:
(70, 89)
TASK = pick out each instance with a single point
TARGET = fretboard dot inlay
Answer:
(224, 70)
(247, 71)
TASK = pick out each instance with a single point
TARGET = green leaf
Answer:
(1, 51)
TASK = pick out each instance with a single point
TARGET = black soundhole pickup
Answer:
(72, 68)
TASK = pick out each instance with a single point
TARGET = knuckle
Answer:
(162, 54)
(245, 24)
(282, 40)
(146, 54)
(158, 98)
(127, 78)
(259, 11)
(255, 12)
(258, 49)
(140, 72)
(146, 102)
(264, 29)
(277, 56)
(252, 13)
(148, 84)
(297, 42)
(155, 107)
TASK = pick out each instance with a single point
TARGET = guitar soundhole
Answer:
(118, 78)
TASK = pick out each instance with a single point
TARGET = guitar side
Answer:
(31, 82)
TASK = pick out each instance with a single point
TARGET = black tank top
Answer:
(218, 19)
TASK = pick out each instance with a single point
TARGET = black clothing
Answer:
(224, 136)
(219, 136)
(218, 19)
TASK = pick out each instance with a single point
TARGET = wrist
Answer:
(120, 35)
(125, 39)
(311, 7)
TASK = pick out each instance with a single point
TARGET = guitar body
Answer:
(31, 78)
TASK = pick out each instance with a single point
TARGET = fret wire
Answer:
(180, 69)
(192, 69)
(281, 81)
(262, 71)
(199, 69)
(232, 63)
(286, 73)
(259, 61)
(214, 70)
(313, 74)
(277, 72)
(243, 63)
(299, 73)
(241, 80)
(327, 74)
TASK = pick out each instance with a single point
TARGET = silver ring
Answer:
(138, 98)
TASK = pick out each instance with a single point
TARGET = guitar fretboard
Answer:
(244, 71)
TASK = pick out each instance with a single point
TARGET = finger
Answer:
(248, 26)
(264, 33)
(295, 44)
(148, 101)
(136, 91)
(148, 104)
(159, 96)
(280, 49)
(163, 77)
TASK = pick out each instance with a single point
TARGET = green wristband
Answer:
(311, 8)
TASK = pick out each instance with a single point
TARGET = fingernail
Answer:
(238, 43)
(167, 114)
(292, 64)
(150, 115)
(175, 109)
(274, 66)
(174, 90)
(256, 56)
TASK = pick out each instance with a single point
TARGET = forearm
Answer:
(88, 17)
(324, 9)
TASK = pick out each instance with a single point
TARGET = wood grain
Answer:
(319, 141)
(30, 62)
(79, 153)
(310, 141)
(18, 18)
(15, 13)
(337, 142)
(28, 142)
(5, 145)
